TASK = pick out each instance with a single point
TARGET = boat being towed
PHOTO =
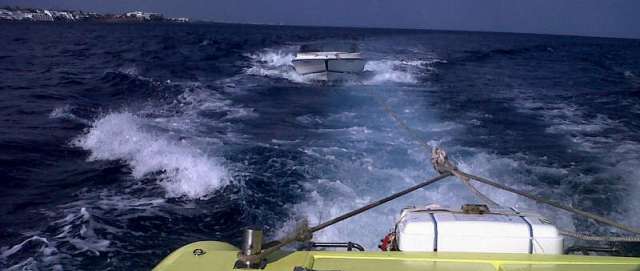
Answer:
(329, 61)
(476, 237)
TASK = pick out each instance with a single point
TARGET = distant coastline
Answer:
(48, 15)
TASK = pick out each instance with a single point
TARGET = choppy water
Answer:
(120, 143)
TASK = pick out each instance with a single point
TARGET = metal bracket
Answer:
(348, 245)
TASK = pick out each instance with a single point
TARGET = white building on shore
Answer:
(29, 14)
(35, 15)
(144, 15)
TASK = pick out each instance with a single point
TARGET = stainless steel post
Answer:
(251, 245)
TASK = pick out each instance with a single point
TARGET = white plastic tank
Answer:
(493, 231)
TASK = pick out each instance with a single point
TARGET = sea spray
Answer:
(185, 170)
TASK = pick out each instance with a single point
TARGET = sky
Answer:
(603, 18)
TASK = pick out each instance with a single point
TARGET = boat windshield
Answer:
(329, 47)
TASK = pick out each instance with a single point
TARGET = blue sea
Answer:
(121, 142)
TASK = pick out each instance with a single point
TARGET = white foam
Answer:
(129, 70)
(7, 252)
(344, 116)
(444, 126)
(630, 171)
(64, 112)
(78, 229)
(635, 79)
(60, 112)
(134, 72)
(184, 170)
(240, 113)
(576, 123)
(398, 71)
(274, 63)
(310, 119)
(74, 234)
(566, 119)
(196, 99)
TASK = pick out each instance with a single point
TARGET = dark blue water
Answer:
(120, 143)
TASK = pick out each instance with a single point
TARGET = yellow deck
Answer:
(222, 256)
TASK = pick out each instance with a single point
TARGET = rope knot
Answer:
(303, 232)
(441, 164)
(440, 161)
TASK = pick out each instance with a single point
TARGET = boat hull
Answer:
(329, 69)
(215, 256)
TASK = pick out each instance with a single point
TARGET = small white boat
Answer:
(329, 62)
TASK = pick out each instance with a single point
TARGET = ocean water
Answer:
(120, 143)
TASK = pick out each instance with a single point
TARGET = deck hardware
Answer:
(199, 252)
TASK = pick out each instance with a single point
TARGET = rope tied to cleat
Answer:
(441, 164)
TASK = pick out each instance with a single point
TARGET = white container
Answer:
(503, 231)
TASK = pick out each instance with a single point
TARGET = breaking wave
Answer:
(183, 169)
(275, 64)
